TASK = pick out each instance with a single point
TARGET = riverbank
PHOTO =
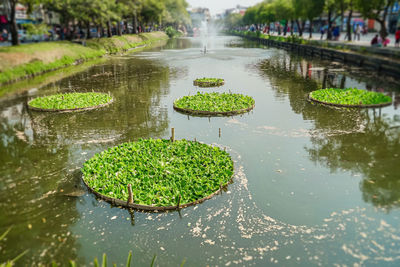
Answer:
(382, 60)
(20, 62)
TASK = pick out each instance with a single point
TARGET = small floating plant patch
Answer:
(70, 101)
(163, 174)
(208, 82)
(214, 104)
(350, 97)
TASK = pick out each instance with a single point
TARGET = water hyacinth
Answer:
(70, 101)
(350, 97)
(160, 171)
(207, 82)
(215, 102)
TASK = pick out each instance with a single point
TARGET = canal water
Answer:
(313, 185)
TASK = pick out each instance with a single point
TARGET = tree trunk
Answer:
(119, 29)
(88, 36)
(291, 27)
(300, 28)
(329, 33)
(109, 32)
(13, 24)
(126, 27)
(383, 32)
(311, 28)
(349, 22)
(134, 23)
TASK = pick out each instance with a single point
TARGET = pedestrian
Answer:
(336, 33)
(375, 41)
(4, 35)
(322, 30)
(357, 32)
(385, 41)
(397, 36)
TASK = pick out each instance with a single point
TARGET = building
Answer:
(198, 15)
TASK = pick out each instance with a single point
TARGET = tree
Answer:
(299, 14)
(314, 8)
(12, 4)
(283, 11)
(377, 10)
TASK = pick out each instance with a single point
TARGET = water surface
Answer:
(313, 185)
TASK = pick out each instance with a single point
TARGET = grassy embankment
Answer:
(28, 60)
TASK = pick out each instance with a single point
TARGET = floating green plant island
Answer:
(350, 97)
(224, 104)
(70, 102)
(208, 82)
(163, 174)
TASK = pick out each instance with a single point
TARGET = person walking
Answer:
(357, 33)
(397, 36)
(322, 30)
(4, 35)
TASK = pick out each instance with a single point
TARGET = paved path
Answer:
(365, 40)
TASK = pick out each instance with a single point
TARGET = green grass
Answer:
(19, 62)
(70, 101)
(123, 43)
(215, 102)
(160, 171)
(350, 96)
(206, 82)
(32, 59)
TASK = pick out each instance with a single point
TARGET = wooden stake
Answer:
(219, 132)
(220, 188)
(179, 202)
(130, 198)
(173, 134)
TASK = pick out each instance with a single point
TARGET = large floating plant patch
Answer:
(70, 102)
(214, 104)
(350, 97)
(208, 82)
(163, 174)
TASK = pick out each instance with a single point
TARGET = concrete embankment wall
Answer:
(379, 64)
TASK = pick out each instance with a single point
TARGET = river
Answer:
(313, 185)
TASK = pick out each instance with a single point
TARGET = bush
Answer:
(172, 33)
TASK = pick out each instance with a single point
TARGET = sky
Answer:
(218, 6)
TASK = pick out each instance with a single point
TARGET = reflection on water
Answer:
(313, 185)
(42, 153)
(360, 141)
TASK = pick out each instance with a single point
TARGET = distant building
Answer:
(198, 15)
(236, 10)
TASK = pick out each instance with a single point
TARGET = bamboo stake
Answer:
(219, 132)
(130, 198)
(179, 202)
(173, 134)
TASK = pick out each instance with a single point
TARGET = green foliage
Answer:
(70, 53)
(172, 33)
(36, 29)
(350, 96)
(215, 102)
(70, 101)
(118, 44)
(160, 171)
(208, 82)
(12, 262)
